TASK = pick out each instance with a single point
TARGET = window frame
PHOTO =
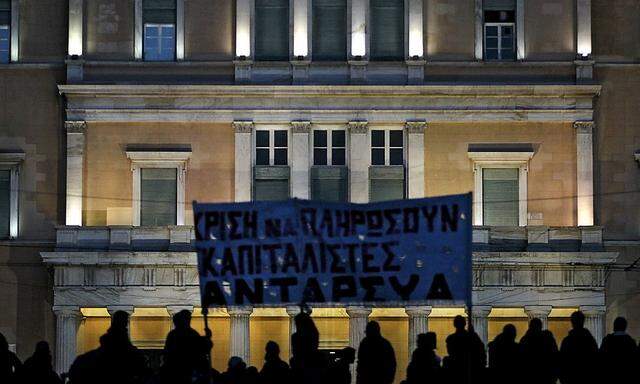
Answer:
(12, 161)
(518, 160)
(272, 147)
(160, 27)
(387, 147)
(159, 159)
(329, 147)
(513, 40)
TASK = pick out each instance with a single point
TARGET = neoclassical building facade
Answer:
(140, 107)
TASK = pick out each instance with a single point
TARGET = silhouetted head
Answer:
(535, 325)
(577, 320)
(252, 371)
(236, 363)
(348, 354)
(509, 331)
(373, 329)
(272, 350)
(459, 323)
(427, 341)
(182, 319)
(42, 349)
(304, 322)
(120, 320)
(4, 345)
(620, 324)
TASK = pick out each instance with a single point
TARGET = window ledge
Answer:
(517, 156)
(158, 155)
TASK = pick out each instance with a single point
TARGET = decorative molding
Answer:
(501, 157)
(358, 127)
(161, 156)
(243, 126)
(415, 127)
(300, 126)
(584, 127)
(75, 126)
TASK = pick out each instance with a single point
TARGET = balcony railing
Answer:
(181, 238)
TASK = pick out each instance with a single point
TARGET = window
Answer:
(500, 196)
(5, 31)
(499, 30)
(159, 18)
(9, 189)
(387, 147)
(272, 30)
(500, 187)
(271, 173)
(387, 30)
(386, 174)
(158, 196)
(329, 173)
(159, 179)
(330, 30)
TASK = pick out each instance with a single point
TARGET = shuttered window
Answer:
(329, 183)
(158, 196)
(500, 195)
(159, 19)
(330, 30)
(5, 207)
(271, 183)
(386, 183)
(272, 30)
(5, 31)
(387, 30)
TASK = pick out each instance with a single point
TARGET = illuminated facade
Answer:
(162, 102)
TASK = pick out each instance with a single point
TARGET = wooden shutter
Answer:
(158, 196)
(387, 29)
(272, 30)
(500, 195)
(159, 11)
(271, 183)
(329, 184)
(330, 30)
(386, 183)
(5, 197)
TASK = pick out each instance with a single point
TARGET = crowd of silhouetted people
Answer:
(535, 359)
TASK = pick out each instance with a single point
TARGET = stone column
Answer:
(415, 54)
(174, 309)
(75, 164)
(415, 158)
(180, 30)
(243, 160)
(418, 323)
(292, 311)
(358, 319)
(594, 320)
(583, 43)
(239, 334)
(244, 41)
(300, 159)
(137, 29)
(480, 321)
(76, 12)
(520, 21)
(479, 18)
(15, 31)
(359, 154)
(584, 163)
(67, 323)
(539, 312)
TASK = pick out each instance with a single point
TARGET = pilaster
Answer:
(300, 159)
(595, 320)
(292, 311)
(415, 158)
(243, 159)
(358, 319)
(584, 163)
(359, 161)
(418, 323)
(539, 312)
(480, 321)
(75, 164)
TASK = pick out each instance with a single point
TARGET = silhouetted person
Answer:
(9, 363)
(38, 367)
(618, 353)
(340, 369)
(425, 364)
(539, 355)
(186, 353)
(236, 372)
(274, 370)
(85, 368)
(504, 356)
(308, 364)
(578, 353)
(466, 358)
(376, 358)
